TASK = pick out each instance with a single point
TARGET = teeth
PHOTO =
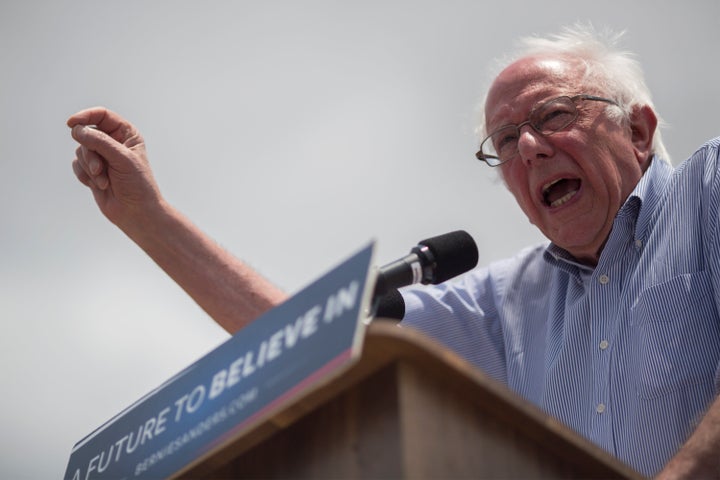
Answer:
(563, 199)
(547, 186)
(559, 201)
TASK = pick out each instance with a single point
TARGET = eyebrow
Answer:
(527, 116)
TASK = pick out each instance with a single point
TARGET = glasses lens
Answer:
(554, 115)
(501, 145)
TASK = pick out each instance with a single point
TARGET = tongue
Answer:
(560, 189)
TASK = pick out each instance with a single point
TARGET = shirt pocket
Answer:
(677, 332)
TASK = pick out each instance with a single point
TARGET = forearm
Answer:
(699, 458)
(231, 292)
(112, 161)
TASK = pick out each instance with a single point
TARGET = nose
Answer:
(532, 145)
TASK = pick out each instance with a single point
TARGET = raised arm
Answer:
(111, 160)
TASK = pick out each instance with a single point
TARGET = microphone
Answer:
(433, 260)
(390, 305)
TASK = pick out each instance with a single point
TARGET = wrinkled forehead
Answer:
(525, 82)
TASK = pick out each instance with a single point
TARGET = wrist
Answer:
(148, 221)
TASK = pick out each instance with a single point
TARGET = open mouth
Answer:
(560, 191)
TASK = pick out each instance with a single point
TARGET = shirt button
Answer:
(604, 344)
(638, 243)
(600, 408)
(604, 279)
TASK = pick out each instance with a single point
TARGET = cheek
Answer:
(619, 172)
(512, 177)
(517, 183)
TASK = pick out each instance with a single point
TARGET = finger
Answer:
(98, 169)
(107, 121)
(93, 161)
(93, 168)
(80, 154)
(80, 173)
(105, 148)
(101, 182)
(88, 116)
(81, 159)
(89, 161)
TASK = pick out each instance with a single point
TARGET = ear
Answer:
(643, 123)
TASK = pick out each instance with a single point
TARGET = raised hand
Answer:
(112, 161)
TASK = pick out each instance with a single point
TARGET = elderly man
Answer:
(613, 327)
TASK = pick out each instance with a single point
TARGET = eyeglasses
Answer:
(545, 118)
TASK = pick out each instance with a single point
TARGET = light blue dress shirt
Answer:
(628, 353)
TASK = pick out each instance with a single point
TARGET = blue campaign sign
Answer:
(315, 334)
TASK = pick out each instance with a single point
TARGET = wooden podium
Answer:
(409, 409)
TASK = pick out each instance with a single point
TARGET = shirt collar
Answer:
(641, 206)
(649, 192)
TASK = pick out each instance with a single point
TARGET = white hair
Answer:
(613, 72)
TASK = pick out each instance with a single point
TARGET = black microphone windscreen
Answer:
(455, 253)
(391, 305)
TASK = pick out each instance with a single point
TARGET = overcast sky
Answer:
(291, 131)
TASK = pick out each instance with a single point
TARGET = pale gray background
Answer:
(292, 131)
